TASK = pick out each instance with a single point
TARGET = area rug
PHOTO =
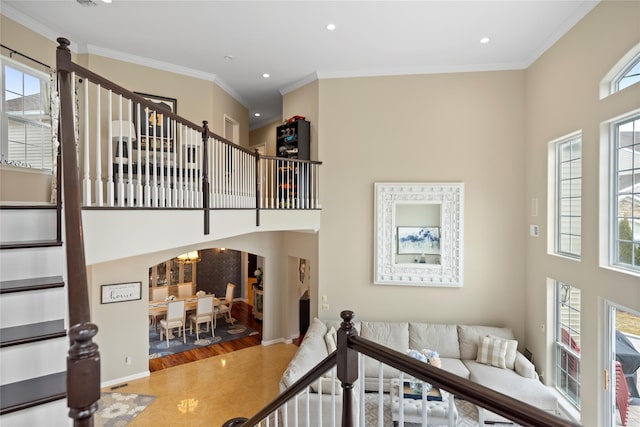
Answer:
(118, 409)
(467, 413)
(223, 332)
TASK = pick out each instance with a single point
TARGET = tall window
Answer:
(567, 341)
(26, 120)
(626, 191)
(569, 196)
(629, 76)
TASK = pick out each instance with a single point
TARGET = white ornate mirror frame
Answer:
(389, 267)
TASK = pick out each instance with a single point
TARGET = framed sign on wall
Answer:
(120, 292)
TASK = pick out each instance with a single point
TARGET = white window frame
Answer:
(4, 136)
(615, 83)
(572, 176)
(564, 296)
(614, 227)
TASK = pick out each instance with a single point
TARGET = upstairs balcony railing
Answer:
(136, 152)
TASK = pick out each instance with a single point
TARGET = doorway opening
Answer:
(623, 360)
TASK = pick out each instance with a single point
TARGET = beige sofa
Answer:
(457, 346)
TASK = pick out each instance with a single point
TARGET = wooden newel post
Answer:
(347, 366)
(206, 204)
(258, 196)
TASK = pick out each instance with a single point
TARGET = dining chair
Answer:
(203, 314)
(175, 319)
(185, 290)
(225, 304)
(159, 293)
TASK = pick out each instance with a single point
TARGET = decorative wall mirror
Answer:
(419, 234)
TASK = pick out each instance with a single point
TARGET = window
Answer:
(26, 120)
(567, 341)
(568, 196)
(629, 76)
(626, 192)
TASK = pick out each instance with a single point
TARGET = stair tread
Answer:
(36, 283)
(33, 332)
(34, 391)
(30, 244)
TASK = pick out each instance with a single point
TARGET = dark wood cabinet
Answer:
(293, 140)
(292, 144)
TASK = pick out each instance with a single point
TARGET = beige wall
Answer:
(304, 102)
(265, 135)
(562, 96)
(465, 127)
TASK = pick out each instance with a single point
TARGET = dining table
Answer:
(159, 308)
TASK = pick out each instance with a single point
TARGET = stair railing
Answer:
(351, 349)
(83, 361)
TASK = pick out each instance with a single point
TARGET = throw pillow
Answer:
(331, 339)
(492, 352)
(512, 349)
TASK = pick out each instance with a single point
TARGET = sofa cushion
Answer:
(455, 366)
(441, 338)
(394, 335)
(331, 339)
(491, 351)
(469, 335)
(312, 351)
(509, 382)
(510, 355)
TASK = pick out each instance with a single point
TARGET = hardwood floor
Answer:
(223, 381)
(240, 311)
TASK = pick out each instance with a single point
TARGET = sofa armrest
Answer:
(524, 367)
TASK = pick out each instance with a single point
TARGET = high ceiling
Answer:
(235, 42)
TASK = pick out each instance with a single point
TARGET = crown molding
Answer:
(166, 66)
(35, 26)
(581, 11)
(257, 124)
(298, 84)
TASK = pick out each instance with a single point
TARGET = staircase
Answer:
(33, 319)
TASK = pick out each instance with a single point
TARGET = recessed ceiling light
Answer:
(256, 114)
(485, 40)
(331, 27)
(106, 1)
(266, 75)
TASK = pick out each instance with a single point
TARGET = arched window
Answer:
(629, 75)
(623, 74)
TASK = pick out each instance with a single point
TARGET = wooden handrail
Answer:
(345, 358)
(516, 410)
(83, 362)
(304, 382)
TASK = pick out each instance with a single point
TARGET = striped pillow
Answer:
(492, 351)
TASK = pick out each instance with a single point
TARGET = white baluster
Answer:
(129, 156)
(110, 183)
(147, 160)
(85, 155)
(99, 191)
(139, 176)
(161, 189)
(121, 195)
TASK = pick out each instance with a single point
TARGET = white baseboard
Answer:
(276, 341)
(121, 381)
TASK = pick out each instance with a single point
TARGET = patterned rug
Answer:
(223, 332)
(118, 409)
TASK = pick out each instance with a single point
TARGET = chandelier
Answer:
(189, 258)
